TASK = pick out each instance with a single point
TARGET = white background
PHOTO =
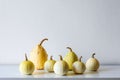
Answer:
(86, 26)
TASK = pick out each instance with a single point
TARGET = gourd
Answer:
(49, 64)
(39, 55)
(26, 67)
(79, 66)
(61, 67)
(92, 64)
(70, 57)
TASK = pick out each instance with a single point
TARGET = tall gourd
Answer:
(39, 55)
(70, 58)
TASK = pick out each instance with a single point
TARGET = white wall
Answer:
(85, 25)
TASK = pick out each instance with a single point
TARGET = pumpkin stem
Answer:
(80, 58)
(69, 48)
(51, 57)
(43, 41)
(61, 57)
(93, 55)
(26, 57)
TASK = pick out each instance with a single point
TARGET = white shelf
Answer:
(105, 71)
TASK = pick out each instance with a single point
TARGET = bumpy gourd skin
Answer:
(26, 67)
(39, 56)
(70, 58)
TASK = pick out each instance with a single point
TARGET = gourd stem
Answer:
(43, 41)
(51, 57)
(26, 57)
(69, 48)
(93, 55)
(61, 57)
(80, 58)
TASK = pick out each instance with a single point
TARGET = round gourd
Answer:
(26, 67)
(92, 64)
(79, 66)
(49, 64)
(61, 67)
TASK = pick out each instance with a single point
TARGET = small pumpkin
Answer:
(61, 67)
(49, 64)
(92, 63)
(26, 67)
(79, 66)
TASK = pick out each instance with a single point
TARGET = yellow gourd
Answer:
(70, 57)
(39, 56)
(26, 67)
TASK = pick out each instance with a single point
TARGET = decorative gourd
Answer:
(92, 64)
(49, 64)
(79, 66)
(61, 67)
(26, 67)
(70, 58)
(39, 55)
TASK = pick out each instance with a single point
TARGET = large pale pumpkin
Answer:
(39, 56)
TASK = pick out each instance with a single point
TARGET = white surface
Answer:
(85, 25)
(105, 71)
